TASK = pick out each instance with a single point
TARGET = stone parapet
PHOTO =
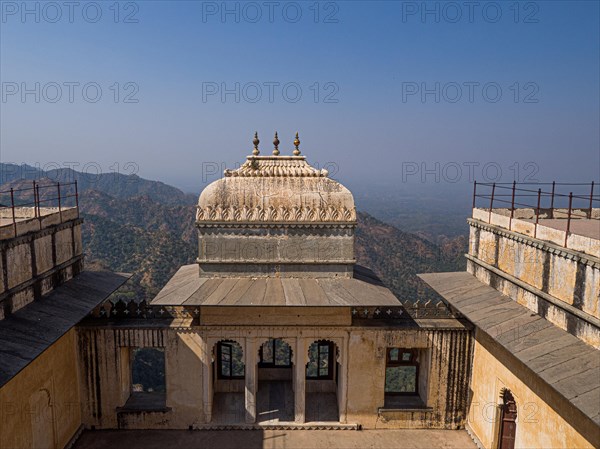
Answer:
(46, 252)
(560, 284)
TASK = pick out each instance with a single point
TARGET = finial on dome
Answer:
(276, 143)
(296, 144)
(255, 151)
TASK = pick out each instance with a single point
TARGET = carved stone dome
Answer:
(276, 189)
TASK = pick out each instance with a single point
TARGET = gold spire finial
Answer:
(255, 151)
(276, 143)
(296, 144)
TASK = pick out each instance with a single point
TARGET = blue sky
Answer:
(361, 68)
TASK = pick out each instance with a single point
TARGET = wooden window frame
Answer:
(414, 361)
(330, 361)
(220, 374)
(274, 364)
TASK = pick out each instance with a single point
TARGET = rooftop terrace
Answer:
(35, 206)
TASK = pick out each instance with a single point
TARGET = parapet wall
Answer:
(560, 284)
(523, 222)
(37, 255)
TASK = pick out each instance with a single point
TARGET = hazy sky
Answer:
(384, 90)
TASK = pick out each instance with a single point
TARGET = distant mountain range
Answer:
(147, 228)
(115, 184)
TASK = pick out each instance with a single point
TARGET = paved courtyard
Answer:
(271, 439)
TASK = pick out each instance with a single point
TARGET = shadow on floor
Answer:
(322, 407)
(274, 402)
(269, 439)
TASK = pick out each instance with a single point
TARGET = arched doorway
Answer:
(322, 379)
(275, 395)
(228, 374)
(508, 420)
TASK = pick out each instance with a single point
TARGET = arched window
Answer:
(320, 360)
(275, 353)
(230, 360)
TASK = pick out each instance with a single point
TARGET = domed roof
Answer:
(276, 188)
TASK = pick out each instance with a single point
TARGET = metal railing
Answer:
(57, 195)
(514, 197)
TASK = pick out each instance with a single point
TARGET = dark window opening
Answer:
(148, 370)
(508, 420)
(321, 360)
(275, 353)
(230, 360)
(401, 372)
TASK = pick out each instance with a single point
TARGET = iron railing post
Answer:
(12, 206)
(35, 210)
(77, 198)
(39, 212)
(569, 218)
(59, 205)
(512, 205)
(552, 200)
(537, 212)
(591, 199)
(491, 202)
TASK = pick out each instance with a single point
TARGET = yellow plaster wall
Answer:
(539, 424)
(40, 407)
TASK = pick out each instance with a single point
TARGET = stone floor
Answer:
(321, 407)
(582, 226)
(270, 439)
(274, 404)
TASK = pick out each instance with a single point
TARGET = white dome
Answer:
(276, 189)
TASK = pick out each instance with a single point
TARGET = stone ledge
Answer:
(537, 292)
(537, 243)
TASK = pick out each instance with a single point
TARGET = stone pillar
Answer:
(300, 381)
(343, 380)
(251, 377)
(207, 380)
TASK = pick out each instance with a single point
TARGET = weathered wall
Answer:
(524, 222)
(37, 261)
(275, 316)
(561, 285)
(360, 392)
(40, 407)
(445, 386)
(544, 419)
(104, 362)
(288, 250)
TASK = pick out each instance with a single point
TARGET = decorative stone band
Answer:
(339, 229)
(132, 310)
(407, 311)
(276, 166)
(271, 214)
(536, 243)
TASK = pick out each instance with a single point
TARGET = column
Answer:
(343, 380)
(300, 381)
(251, 377)
(207, 380)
